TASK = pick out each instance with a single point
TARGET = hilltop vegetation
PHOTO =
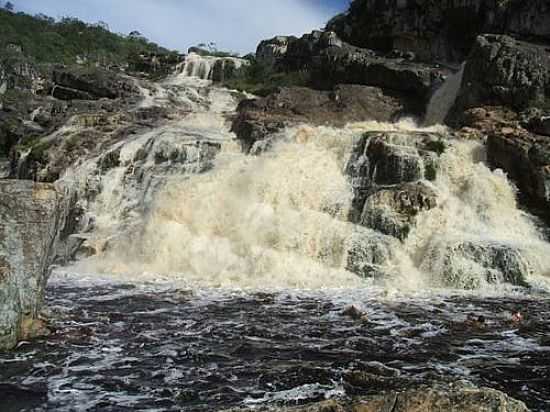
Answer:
(46, 40)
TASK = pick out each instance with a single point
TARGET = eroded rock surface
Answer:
(441, 30)
(459, 396)
(504, 71)
(30, 217)
(258, 119)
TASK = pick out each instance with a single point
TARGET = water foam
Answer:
(279, 220)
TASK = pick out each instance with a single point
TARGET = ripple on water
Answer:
(156, 347)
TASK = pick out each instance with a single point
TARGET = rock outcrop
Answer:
(460, 396)
(438, 30)
(522, 153)
(330, 62)
(504, 71)
(30, 218)
(259, 119)
(385, 170)
(88, 84)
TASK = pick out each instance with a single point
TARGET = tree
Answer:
(135, 33)
(9, 6)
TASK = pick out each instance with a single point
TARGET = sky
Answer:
(234, 25)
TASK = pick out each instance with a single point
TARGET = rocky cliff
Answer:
(439, 30)
(30, 218)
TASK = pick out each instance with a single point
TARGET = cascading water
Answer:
(202, 67)
(181, 204)
(280, 219)
(443, 99)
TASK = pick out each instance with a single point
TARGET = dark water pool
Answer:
(122, 347)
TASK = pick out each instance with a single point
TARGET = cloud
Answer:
(236, 25)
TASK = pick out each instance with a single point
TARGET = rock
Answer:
(224, 69)
(155, 65)
(503, 71)
(337, 65)
(271, 52)
(468, 265)
(438, 30)
(258, 119)
(381, 160)
(30, 218)
(523, 155)
(88, 84)
(368, 252)
(330, 62)
(460, 396)
(536, 121)
(393, 211)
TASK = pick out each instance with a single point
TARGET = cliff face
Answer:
(441, 29)
(30, 216)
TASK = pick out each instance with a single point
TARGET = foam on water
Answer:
(279, 220)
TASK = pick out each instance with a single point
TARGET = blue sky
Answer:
(236, 25)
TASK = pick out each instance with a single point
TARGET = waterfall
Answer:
(202, 67)
(184, 203)
(443, 99)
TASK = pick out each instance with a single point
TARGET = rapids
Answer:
(220, 279)
(279, 220)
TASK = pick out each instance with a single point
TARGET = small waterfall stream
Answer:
(443, 99)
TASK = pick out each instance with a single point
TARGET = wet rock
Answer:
(260, 118)
(504, 71)
(382, 159)
(30, 218)
(438, 30)
(460, 396)
(360, 381)
(393, 211)
(515, 148)
(355, 313)
(369, 252)
(468, 265)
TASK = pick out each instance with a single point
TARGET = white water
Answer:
(202, 67)
(279, 220)
(443, 99)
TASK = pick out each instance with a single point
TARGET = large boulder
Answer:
(30, 217)
(330, 61)
(271, 52)
(504, 71)
(259, 119)
(460, 396)
(393, 210)
(385, 166)
(438, 30)
(88, 84)
(525, 157)
(471, 264)
(514, 146)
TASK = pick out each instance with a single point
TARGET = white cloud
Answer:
(236, 25)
